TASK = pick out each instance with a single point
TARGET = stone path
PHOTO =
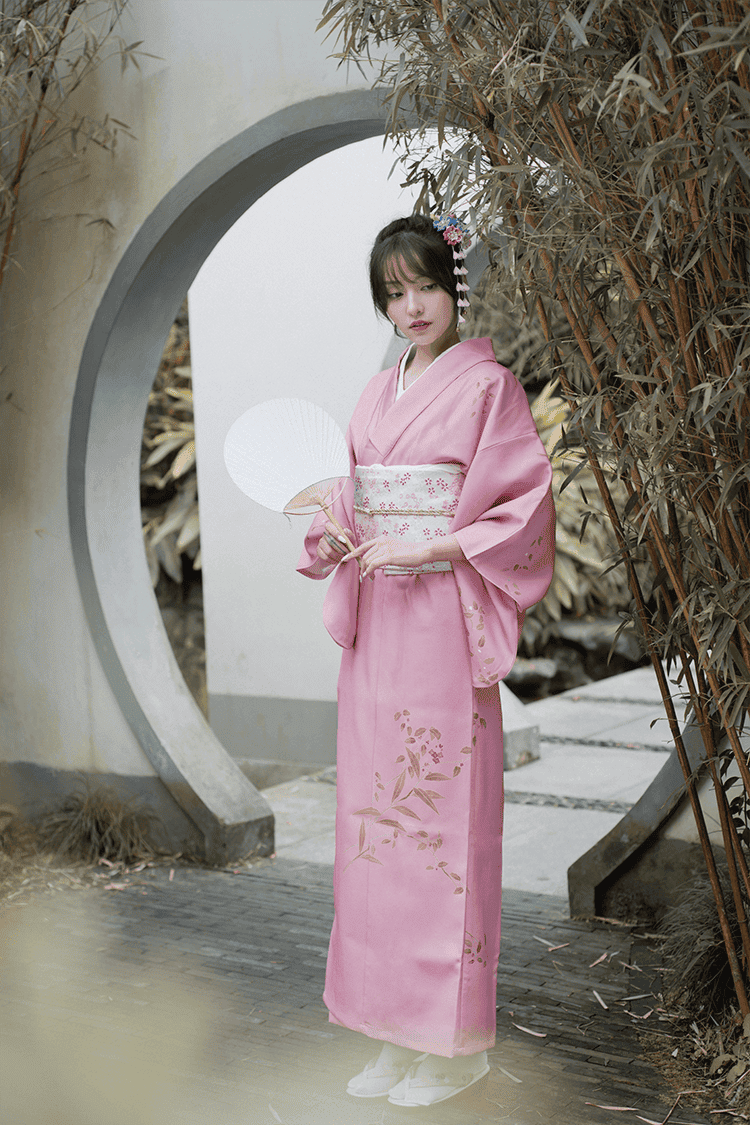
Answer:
(197, 999)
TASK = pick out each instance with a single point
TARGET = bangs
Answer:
(405, 264)
(412, 245)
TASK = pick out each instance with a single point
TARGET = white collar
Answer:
(400, 388)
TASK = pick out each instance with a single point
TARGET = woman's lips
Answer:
(418, 325)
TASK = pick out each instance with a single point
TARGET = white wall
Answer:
(223, 65)
(282, 308)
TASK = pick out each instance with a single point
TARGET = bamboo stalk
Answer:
(734, 854)
(673, 724)
(733, 848)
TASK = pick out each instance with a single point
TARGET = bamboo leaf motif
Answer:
(406, 811)
(386, 817)
(423, 796)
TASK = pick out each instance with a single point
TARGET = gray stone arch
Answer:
(206, 802)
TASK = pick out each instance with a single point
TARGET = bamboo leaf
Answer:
(406, 811)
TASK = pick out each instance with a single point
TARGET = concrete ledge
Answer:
(520, 737)
(298, 731)
(116, 373)
(634, 870)
(265, 774)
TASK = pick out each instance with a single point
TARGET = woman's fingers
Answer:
(385, 551)
(328, 553)
(358, 551)
(332, 545)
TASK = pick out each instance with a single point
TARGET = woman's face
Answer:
(419, 308)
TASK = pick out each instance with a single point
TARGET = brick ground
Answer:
(199, 1000)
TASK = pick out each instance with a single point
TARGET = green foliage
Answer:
(600, 149)
(169, 485)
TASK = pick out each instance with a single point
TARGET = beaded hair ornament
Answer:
(456, 234)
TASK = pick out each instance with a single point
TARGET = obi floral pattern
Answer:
(414, 502)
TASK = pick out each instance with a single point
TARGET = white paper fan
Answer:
(288, 455)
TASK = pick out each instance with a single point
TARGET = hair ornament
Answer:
(456, 234)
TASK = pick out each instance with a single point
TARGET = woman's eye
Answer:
(432, 285)
(393, 296)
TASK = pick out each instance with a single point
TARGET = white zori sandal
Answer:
(378, 1078)
(434, 1085)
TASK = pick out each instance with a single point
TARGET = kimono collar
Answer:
(434, 380)
(400, 372)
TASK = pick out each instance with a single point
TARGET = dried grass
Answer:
(708, 1048)
(698, 980)
(26, 870)
(96, 824)
(93, 839)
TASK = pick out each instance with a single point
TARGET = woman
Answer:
(452, 513)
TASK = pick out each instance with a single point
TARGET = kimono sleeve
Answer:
(505, 526)
(342, 598)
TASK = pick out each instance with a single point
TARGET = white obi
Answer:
(412, 502)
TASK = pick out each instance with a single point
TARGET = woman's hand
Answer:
(385, 551)
(331, 547)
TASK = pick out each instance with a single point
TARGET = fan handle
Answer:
(320, 495)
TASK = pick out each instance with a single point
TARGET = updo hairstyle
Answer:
(421, 248)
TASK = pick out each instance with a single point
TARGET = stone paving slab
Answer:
(572, 717)
(198, 999)
(540, 844)
(604, 773)
(639, 685)
(624, 709)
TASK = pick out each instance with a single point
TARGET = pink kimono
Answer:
(417, 878)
